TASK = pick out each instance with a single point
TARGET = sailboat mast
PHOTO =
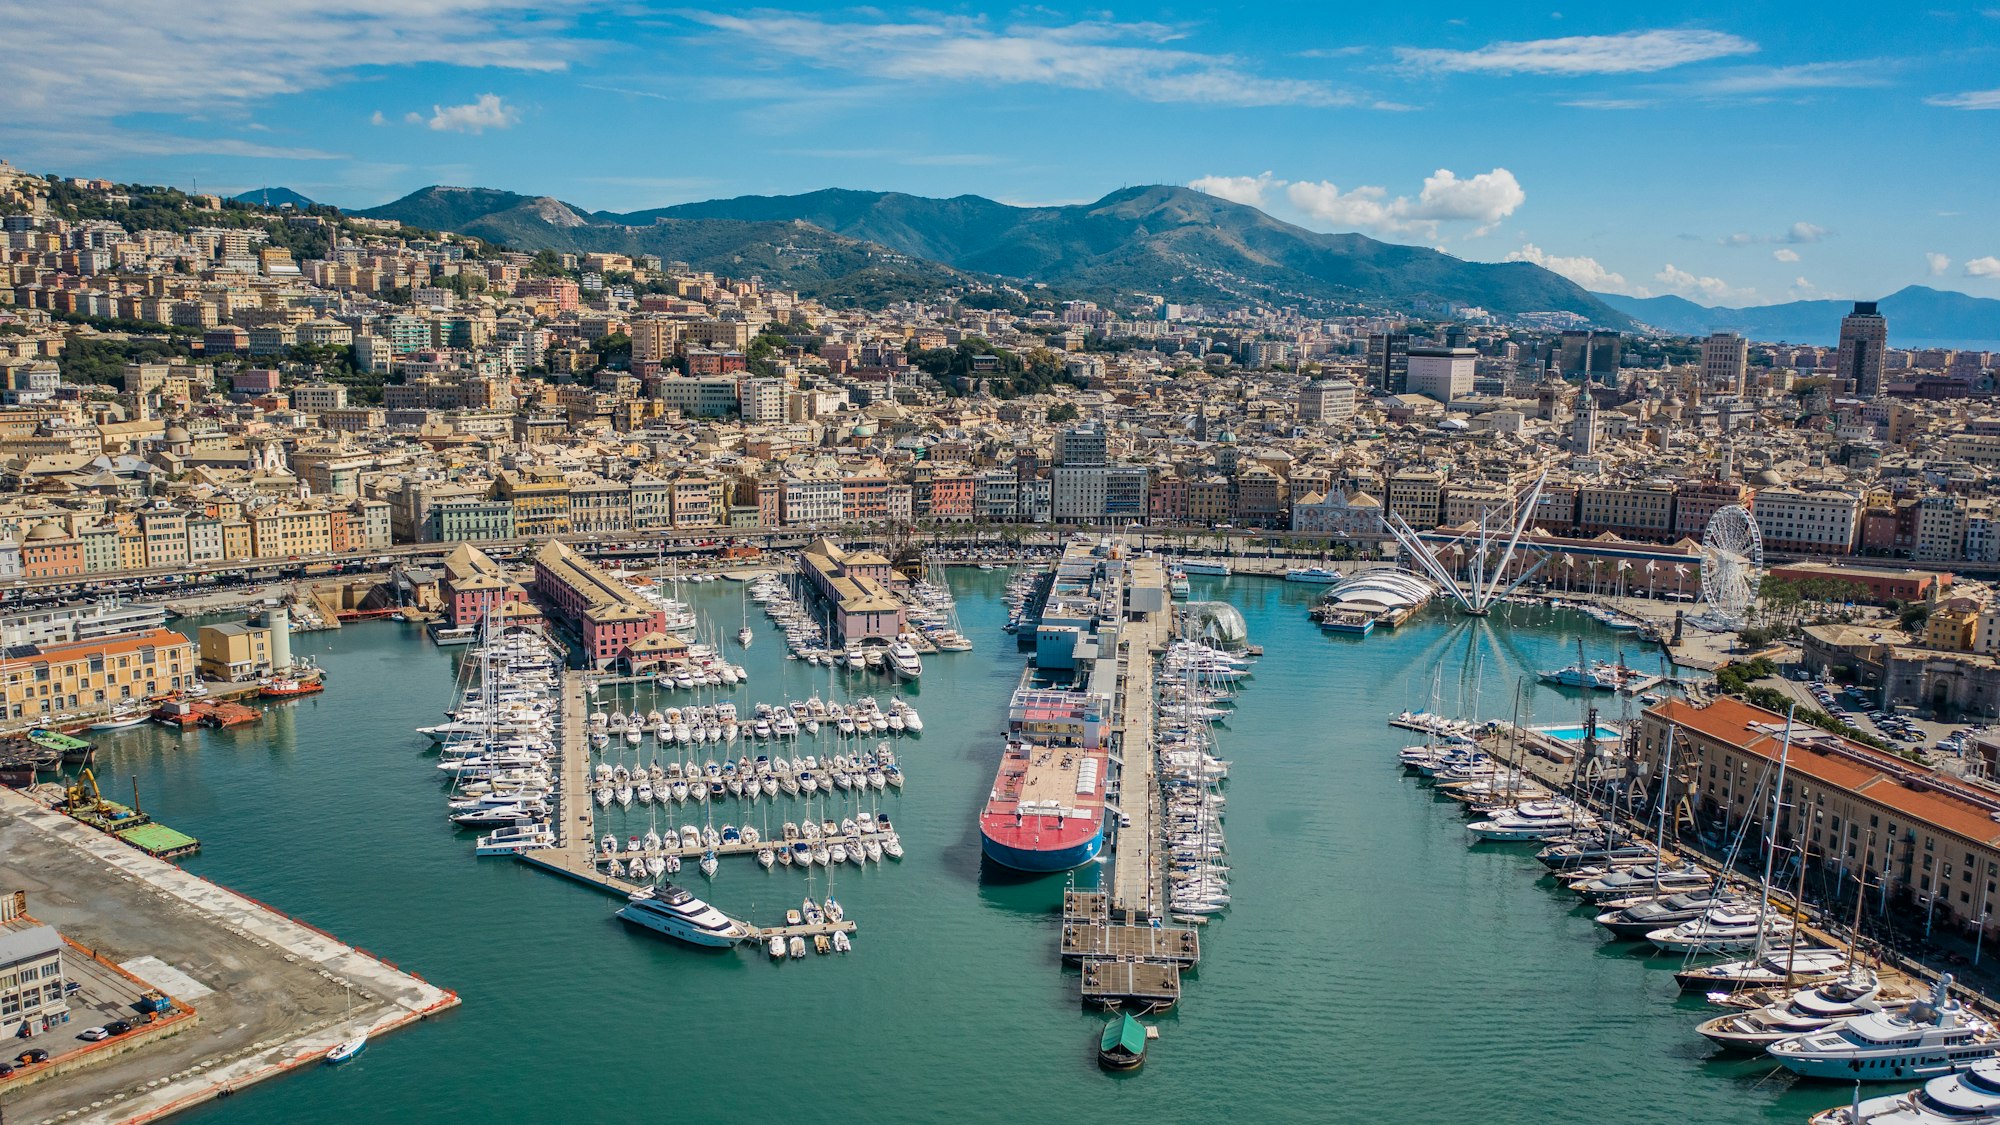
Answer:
(1771, 831)
(1660, 834)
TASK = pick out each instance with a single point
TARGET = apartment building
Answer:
(1824, 521)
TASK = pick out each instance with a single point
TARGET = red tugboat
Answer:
(286, 687)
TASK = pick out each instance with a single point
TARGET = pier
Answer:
(1137, 878)
(1090, 934)
(1154, 984)
(575, 854)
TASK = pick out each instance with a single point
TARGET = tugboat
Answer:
(1123, 1044)
(286, 687)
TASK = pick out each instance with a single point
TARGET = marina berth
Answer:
(1821, 1007)
(675, 912)
(1922, 1040)
(1967, 1097)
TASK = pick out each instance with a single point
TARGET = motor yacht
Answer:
(1821, 1007)
(1968, 1097)
(1923, 1040)
(673, 911)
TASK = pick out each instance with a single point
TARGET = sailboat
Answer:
(743, 635)
(345, 1051)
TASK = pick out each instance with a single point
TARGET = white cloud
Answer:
(1970, 99)
(377, 118)
(104, 58)
(1091, 55)
(1633, 52)
(1612, 103)
(1937, 262)
(1585, 271)
(1484, 199)
(1247, 190)
(1798, 234)
(1988, 266)
(1751, 80)
(1785, 255)
(483, 113)
(1712, 289)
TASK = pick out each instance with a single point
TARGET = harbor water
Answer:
(1372, 967)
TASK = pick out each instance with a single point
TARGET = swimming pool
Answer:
(1576, 733)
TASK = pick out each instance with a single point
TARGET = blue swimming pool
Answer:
(1576, 733)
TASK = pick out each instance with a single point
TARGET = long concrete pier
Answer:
(270, 992)
(1137, 877)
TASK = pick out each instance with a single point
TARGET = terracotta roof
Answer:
(1944, 802)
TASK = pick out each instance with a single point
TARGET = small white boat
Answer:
(343, 1052)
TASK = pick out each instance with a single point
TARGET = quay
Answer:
(574, 855)
(1111, 625)
(1138, 879)
(1090, 934)
(1153, 985)
(263, 993)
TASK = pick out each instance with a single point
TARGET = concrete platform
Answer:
(278, 989)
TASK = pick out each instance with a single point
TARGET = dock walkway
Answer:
(574, 856)
(1137, 880)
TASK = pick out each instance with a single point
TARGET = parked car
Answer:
(118, 1027)
(31, 1057)
(93, 1034)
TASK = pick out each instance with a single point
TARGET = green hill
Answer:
(1170, 241)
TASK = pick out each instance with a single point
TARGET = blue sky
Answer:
(1732, 154)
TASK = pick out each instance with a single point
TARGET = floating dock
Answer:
(574, 856)
(159, 841)
(1155, 985)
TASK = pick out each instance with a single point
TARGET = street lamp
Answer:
(1981, 940)
(1930, 902)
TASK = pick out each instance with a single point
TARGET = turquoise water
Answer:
(1576, 733)
(1374, 966)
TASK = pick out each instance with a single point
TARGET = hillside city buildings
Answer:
(385, 386)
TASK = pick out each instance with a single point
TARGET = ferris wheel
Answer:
(1732, 562)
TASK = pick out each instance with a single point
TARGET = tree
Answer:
(547, 263)
(1063, 412)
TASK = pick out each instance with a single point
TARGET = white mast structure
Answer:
(1476, 594)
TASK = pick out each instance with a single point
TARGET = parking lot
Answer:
(1905, 732)
(102, 994)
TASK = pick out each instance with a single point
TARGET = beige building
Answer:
(235, 651)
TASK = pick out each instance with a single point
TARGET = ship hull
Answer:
(1043, 860)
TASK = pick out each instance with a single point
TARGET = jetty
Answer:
(575, 854)
(1138, 883)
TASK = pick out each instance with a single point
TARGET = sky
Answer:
(1741, 154)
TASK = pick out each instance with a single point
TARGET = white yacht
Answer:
(1925, 1039)
(515, 840)
(1533, 820)
(1819, 1008)
(675, 912)
(1723, 928)
(1969, 1097)
(903, 660)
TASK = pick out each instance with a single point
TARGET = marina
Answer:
(1401, 909)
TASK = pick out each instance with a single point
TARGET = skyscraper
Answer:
(1725, 362)
(1389, 361)
(1593, 356)
(1863, 334)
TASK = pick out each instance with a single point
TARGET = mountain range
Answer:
(1175, 242)
(1917, 316)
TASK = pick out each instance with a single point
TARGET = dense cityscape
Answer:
(982, 557)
